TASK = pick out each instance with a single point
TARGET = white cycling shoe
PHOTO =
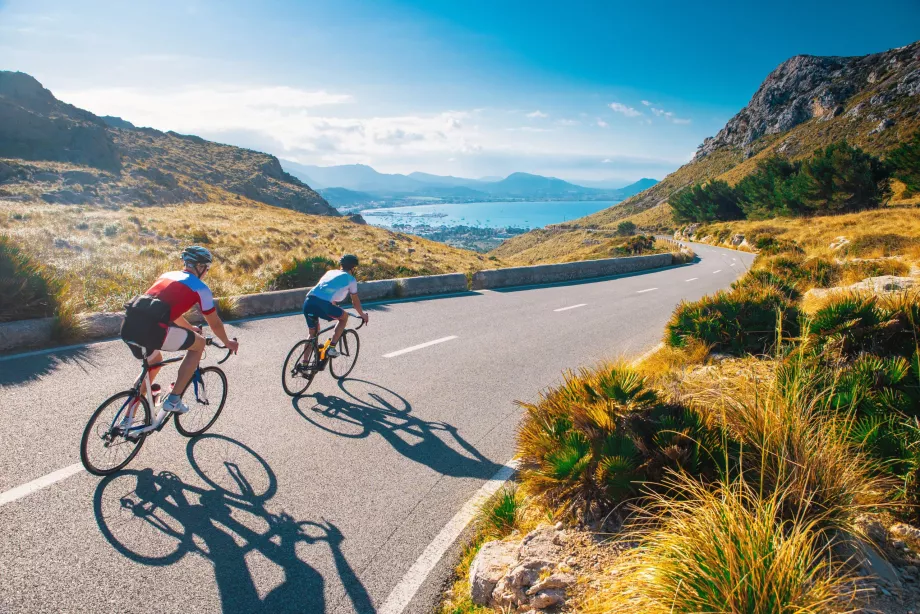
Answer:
(332, 353)
(177, 407)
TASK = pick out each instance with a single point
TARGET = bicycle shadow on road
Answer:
(365, 407)
(15, 370)
(157, 519)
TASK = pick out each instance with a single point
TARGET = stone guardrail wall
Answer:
(568, 271)
(95, 326)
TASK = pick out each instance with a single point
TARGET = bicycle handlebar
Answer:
(215, 343)
(356, 316)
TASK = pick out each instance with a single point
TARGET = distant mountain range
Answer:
(347, 184)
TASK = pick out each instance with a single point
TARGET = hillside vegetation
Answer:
(871, 102)
(749, 464)
(93, 209)
(107, 255)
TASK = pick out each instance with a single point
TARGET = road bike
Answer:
(117, 429)
(303, 362)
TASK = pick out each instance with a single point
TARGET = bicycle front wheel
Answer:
(348, 348)
(299, 368)
(104, 448)
(209, 387)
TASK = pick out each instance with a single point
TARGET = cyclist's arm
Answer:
(357, 303)
(181, 322)
(217, 325)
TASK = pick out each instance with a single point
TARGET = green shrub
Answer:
(501, 514)
(714, 201)
(854, 324)
(27, 289)
(626, 228)
(841, 178)
(589, 444)
(905, 163)
(765, 193)
(799, 273)
(746, 319)
(302, 273)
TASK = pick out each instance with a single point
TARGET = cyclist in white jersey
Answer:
(322, 300)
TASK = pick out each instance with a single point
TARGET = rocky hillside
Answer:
(807, 102)
(57, 153)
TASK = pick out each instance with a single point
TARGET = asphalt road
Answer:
(317, 505)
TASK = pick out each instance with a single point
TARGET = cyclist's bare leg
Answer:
(314, 333)
(189, 364)
(339, 328)
(155, 358)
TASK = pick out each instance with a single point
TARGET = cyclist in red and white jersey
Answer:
(155, 321)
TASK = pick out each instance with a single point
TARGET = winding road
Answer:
(335, 502)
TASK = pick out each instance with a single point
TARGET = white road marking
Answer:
(692, 279)
(402, 594)
(646, 290)
(570, 307)
(37, 484)
(733, 264)
(419, 346)
(717, 271)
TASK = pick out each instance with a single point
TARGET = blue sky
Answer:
(579, 90)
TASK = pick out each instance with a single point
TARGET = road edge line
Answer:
(407, 587)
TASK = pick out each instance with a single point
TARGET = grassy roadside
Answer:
(738, 461)
(103, 256)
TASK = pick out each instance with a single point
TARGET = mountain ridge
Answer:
(806, 102)
(364, 178)
(56, 152)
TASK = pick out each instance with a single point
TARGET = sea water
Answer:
(515, 214)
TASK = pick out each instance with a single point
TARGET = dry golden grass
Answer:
(109, 255)
(880, 233)
(546, 246)
(728, 549)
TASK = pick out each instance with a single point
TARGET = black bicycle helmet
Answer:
(196, 255)
(348, 261)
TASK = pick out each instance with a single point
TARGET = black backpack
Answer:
(148, 308)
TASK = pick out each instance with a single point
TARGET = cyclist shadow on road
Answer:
(365, 407)
(156, 519)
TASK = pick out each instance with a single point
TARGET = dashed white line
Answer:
(692, 279)
(646, 290)
(733, 264)
(402, 594)
(717, 271)
(570, 307)
(418, 347)
(37, 484)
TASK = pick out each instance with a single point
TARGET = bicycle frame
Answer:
(162, 416)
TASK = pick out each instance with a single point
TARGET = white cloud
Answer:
(568, 122)
(602, 123)
(538, 114)
(668, 115)
(622, 108)
(647, 103)
(606, 161)
(286, 117)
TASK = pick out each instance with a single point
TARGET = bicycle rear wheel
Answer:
(299, 368)
(348, 348)
(104, 449)
(209, 387)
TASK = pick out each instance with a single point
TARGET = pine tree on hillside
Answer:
(766, 193)
(839, 179)
(905, 164)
